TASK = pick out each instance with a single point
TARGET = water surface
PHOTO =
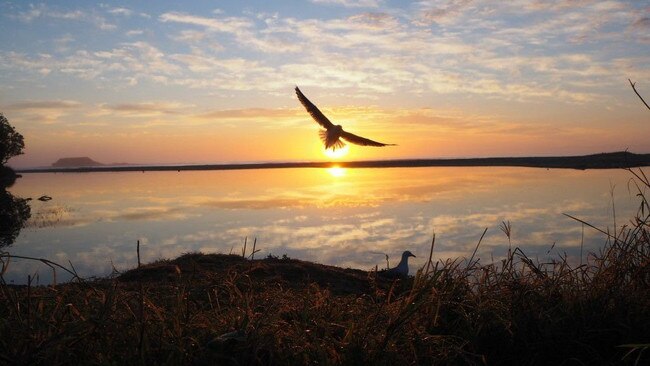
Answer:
(343, 217)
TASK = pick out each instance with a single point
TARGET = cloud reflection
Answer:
(310, 214)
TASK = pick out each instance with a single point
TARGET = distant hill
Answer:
(76, 162)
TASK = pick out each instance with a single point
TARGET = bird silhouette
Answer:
(333, 134)
(402, 269)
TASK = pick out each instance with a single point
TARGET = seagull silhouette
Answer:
(333, 134)
(402, 269)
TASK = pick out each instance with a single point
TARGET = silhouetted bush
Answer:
(11, 142)
(14, 213)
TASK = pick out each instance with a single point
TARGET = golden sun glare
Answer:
(336, 171)
(338, 153)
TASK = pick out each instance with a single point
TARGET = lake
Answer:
(344, 217)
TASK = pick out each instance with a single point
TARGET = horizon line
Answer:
(611, 160)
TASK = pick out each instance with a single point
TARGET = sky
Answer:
(167, 82)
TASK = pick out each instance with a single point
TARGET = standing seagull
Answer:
(333, 133)
(402, 269)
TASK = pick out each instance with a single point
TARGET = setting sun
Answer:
(338, 153)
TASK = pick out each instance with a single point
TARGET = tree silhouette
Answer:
(11, 142)
(14, 213)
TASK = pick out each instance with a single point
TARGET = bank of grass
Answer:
(226, 310)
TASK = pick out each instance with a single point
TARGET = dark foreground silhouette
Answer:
(228, 310)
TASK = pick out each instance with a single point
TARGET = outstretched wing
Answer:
(316, 114)
(352, 138)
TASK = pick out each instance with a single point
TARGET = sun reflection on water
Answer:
(336, 171)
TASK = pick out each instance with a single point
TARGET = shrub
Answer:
(11, 142)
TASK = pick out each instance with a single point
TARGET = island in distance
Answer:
(75, 162)
(80, 162)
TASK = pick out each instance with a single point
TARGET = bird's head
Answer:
(407, 254)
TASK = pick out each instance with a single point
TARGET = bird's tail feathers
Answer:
(336, 144)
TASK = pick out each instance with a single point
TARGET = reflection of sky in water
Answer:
(341, 217)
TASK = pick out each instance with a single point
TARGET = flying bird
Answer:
(333, 134)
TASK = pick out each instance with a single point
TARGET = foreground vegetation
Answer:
(228, 310)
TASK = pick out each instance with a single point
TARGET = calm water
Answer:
(341, 217)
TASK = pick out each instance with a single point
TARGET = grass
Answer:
(228, 310)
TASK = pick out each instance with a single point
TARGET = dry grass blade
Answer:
(637, 93)
(429, 261)
(591, 226)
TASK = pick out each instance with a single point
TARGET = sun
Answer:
(338, 153)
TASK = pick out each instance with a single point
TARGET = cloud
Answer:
(443, 12)
(121, 11)
(44, 111)
(134, 32)
(350, 3)
(43, 105)
(226, 25)
(375, 20)
(43, 11)
(130, 61)
(146, 108)
(189, 36)
(71, 15)
(514, 52)
(31, 14)
(248, 113)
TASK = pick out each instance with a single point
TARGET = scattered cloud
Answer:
(252, 113)
(188, 35)
(31, 14)
(375, 20)
(43, 11)
(375, 53)
(443, 11)
(121, 11)
(43, 104)
(223, 24)
(134, 32)
(145, 109)
(350, 3)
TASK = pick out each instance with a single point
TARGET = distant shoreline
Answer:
(614, 160)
